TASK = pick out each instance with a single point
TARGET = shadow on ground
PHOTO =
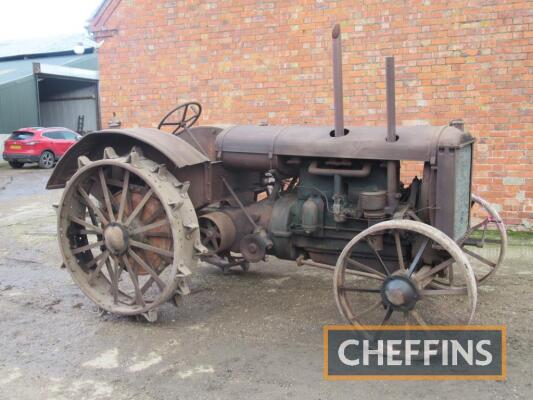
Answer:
(255, 335)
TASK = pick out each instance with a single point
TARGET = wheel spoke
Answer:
(480, 258)
(87, 247)
(139, 207)
(159, 234)
(418, 318)
(356, 289)
(117, 273)
(105, 191)
(444, 292)
(481, 224)
(387, 315)
(418, 255)
(385, 268)
(135, 280)
(366, 268)
(147, 285)
(436, 269)
(148, 269)
(472, 229)
(148, 247)
(151, 226)
(370, 309)
(363, 274)
(90, 264)
(123, 195)
(399, 250)
(91, 204)
(98, 268)
(84, 223)
(160, 211)
(87, 232)
(111, 274)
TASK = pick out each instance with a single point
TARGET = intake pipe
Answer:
(314, 169)
(338, 195)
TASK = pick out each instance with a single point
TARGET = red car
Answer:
(41, 145)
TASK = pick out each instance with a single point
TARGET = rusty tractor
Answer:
(141, 207)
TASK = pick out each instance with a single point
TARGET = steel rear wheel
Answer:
(397, 284)
(128, 232)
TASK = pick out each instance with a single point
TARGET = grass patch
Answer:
(515, 238)
(520, 237)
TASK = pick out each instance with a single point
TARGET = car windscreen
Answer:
(20, 135)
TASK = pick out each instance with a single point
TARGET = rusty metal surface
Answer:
(414, 143)
(154, 142)
(329, 194)
(204, 136)
(127, 216)
(217, 231)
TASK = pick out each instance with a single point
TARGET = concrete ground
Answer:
(3, 138)
(257, 335)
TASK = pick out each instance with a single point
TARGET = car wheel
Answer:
(46, 160)
(16, 164)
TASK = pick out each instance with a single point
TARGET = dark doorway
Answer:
(69, 103)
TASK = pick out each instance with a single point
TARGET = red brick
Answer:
(248, 61)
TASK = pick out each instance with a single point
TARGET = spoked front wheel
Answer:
(386, 275)
(127, 232)
(485, 241)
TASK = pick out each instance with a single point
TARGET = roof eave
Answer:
(102, 14)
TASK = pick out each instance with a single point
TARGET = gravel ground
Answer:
(255, 335)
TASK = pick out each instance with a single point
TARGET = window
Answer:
(53, 135)
(69, 135)
(20, 135)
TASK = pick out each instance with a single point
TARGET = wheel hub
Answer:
(116, 238)
(399, 292)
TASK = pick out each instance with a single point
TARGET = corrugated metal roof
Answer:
(13, 70)
(41, 46)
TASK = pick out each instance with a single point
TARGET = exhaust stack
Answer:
(337, 81)
(393, 167)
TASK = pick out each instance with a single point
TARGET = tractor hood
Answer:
(418, 143)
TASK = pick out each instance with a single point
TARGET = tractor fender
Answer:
(158, 146)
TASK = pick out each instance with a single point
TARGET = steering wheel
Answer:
(184, 122)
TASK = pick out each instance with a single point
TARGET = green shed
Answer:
(50, 82)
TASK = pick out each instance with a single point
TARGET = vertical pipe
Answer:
(392, 184)
(337, 81)
(338, 195)
(391, 100)
(392, 166)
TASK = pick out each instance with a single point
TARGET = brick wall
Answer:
(252, 61)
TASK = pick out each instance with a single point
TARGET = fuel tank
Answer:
(257, 147)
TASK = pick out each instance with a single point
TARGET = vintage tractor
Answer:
(142, 206)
